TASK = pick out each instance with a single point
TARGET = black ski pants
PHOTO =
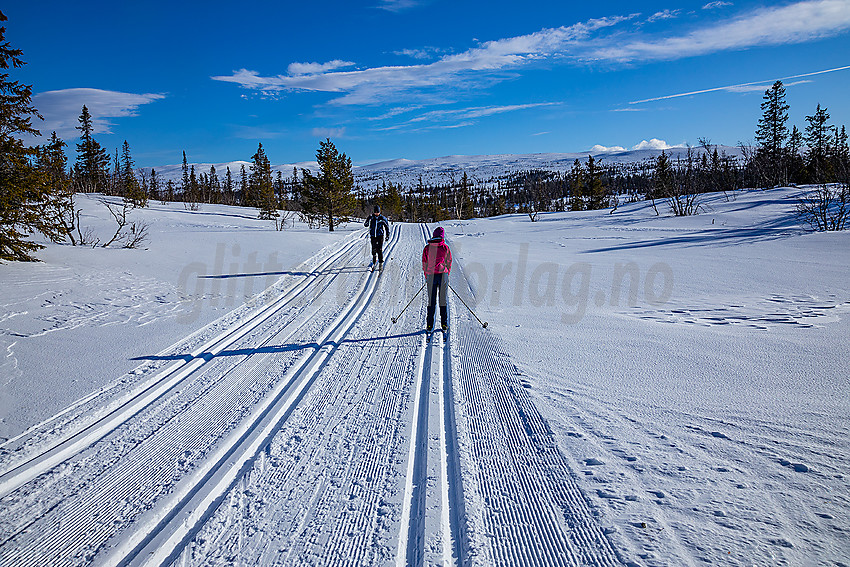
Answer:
(437, 283)
(377, 248)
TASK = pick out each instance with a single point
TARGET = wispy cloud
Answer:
(716, 4)
(743, 87)
(297, 69)
(458, 117)
(663, 15)
(793, 23)
(378, 84)
(398, 5)
(61, 109)
(328, 132)
(422, 53)
(591, 41)
(475, 112)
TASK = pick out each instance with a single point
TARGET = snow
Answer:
(113, 305)
(649, 390)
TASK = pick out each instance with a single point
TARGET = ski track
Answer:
(310, 430)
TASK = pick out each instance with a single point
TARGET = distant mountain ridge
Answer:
(481, 168)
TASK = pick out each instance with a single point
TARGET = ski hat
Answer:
(377, 208)
(439, 233)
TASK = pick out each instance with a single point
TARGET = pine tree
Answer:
(772, 133)
(817, 138)
(185, 180)
(327, 197)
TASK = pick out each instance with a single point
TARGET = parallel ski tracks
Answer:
(535, 513)
(198, 491)
(64, 448)
(508, 498)
(432, 512)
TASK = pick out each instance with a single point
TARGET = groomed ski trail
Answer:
(310, 431)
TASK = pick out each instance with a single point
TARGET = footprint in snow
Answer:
(593, 462)
(798, 467)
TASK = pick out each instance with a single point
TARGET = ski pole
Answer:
(394, 319)
(484, 323)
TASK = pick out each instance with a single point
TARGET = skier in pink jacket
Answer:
(437, 264)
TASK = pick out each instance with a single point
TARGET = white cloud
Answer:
(793, 23)
(61, 109)
(377, 84)
(716, 4)
(422, 54)
(744, 87)
(398, 5)
(600, 149)
(329, 132)
(296, 69)
(653, 144)
(663, 15)
(436, 119)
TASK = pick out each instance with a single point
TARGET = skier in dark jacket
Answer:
(437, 264)
(379, 230)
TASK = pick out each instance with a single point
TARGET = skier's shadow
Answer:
(274, 349)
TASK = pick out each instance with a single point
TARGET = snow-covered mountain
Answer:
(480, 168)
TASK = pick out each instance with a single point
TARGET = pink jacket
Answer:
(436, 257)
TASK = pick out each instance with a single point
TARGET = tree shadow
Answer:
(776, 229)
(341, 270)
(275, 349)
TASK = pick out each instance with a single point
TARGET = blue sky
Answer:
(424, 78)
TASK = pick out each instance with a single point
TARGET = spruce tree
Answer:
(59, 204)
(24, 188)
(243, 186)
(229, 198)
(772, 133)
(817, 138)
(92, 158)
(327, 197)
(154, 185)
(577, 187)
(185, 170)
(132, 189)
(262, 185)
(595, 189)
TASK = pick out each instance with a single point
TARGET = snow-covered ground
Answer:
(650, 390)
(75, 322)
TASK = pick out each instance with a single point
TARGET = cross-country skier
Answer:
(379, 229)
(437, 263)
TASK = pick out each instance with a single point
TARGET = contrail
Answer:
(740, 85)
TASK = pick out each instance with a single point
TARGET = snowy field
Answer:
(649, 391)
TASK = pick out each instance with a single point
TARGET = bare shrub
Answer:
(826, 208)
